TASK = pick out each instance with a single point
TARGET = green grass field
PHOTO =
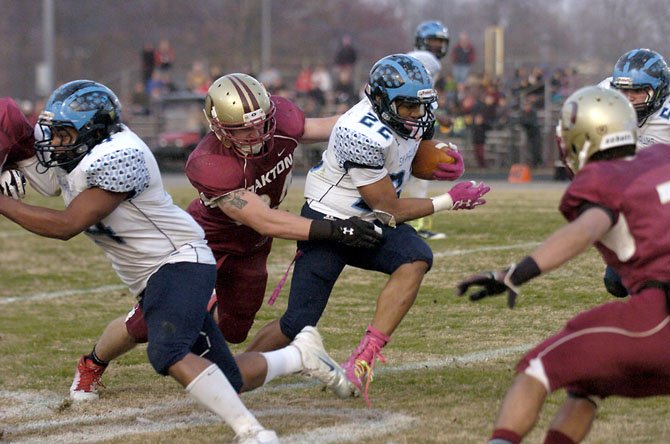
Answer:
(448, 364)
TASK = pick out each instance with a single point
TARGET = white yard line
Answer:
(360, 423)
(272, 269)
(61, 294)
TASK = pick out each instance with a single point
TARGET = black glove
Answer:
(613, 283)
(494, 283)
(352, 232)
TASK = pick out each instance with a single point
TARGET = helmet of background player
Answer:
(595, 124)
(432, 36)
(77, 117)
(397, 79)
(241, 114)
(429, 61)
(643, 69)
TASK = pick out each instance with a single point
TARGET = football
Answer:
(428, 155)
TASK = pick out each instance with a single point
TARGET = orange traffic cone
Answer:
(519, 173)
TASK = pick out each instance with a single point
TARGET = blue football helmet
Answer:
(401, 78)
(643, 69)
(432, 30)
(89, 108)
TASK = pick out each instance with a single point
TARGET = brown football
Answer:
(429, 154)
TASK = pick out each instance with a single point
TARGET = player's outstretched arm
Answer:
(564, 244)
(318, 129)
(87, 209)
(249, 209)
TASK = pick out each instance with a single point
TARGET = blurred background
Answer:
(160, 56)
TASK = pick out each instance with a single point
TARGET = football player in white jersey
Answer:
(362, 173)
(113, 193)
(430, 47)
(643, 76)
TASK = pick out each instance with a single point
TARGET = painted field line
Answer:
(360, 425)
(434, 364)
(61, 294)
(277, 269)
(485, 249)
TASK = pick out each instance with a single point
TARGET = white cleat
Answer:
(318, 365)
(257, 436)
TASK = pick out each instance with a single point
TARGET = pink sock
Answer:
(373, 341)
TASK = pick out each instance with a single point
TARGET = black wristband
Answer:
(525, 270)
(320, 230)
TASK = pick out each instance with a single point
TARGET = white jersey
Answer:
(362, 150)
(146, 230)
(656, 129)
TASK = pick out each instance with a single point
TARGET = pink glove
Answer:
(467, 195)
(450, 171)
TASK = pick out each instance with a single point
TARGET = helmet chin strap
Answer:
(583, 152)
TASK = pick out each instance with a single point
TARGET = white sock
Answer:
(285, 361)
(212, 389)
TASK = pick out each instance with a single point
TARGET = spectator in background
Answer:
(197, 79)
(155, 87)
(344, 92)
(273, 80)
(322, 86)
(139, 100)
(164, 55)
(147, 61)
(530, 123)
(303, 82)
(462, 57)
(346, 56)
(478, 130)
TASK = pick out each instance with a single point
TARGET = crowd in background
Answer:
(471, 104)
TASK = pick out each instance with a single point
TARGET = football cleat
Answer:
(86, 380)
(318, 365)
(257, 436)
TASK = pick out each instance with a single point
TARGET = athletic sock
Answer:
(212, 389)
(282, 362)
(97, 361)
(373, 341)
(504, 436)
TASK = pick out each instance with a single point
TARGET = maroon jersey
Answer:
(215, 170)
(637, 190)
(16, 134)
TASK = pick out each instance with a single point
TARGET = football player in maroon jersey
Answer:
(618, 348)
(16, 144)
(242, 171)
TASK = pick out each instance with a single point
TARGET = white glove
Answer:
(13, 184)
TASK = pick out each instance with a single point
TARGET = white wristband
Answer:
(442, 202)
